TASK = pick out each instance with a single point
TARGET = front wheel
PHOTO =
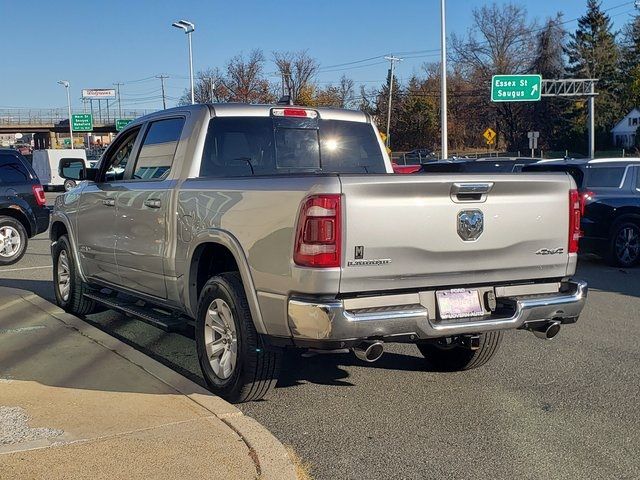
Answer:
(233, 359)
(68, 285)
(451, 358)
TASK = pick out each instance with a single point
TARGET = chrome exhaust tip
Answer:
(369, 351)
(547, 331)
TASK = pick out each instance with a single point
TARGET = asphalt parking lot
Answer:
(566, 408)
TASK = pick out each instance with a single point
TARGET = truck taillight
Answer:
(575, 213)
(318, 234)
(38, 192)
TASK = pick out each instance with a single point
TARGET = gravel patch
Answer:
(14, 427)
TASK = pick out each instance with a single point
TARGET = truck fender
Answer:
(226, 239)
(60, 217)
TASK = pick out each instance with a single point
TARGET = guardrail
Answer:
(57, 115)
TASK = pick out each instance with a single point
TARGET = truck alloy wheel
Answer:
(63, 280)
(234, 362)
(220, 338)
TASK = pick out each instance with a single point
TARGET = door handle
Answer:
(153, 203)
(109, 202)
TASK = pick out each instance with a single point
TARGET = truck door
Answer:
(97, 212)
(143, 210)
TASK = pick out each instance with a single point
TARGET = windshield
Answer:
(245, 146)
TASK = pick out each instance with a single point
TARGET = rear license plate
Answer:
(459, 303)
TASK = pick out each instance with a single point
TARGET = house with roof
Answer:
(624, 132)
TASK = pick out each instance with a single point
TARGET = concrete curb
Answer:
(271, 458)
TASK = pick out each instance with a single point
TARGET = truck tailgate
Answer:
(402, 232)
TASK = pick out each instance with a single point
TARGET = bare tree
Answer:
(297, 70)
(245, 79)
(500, 41)
(208, 87)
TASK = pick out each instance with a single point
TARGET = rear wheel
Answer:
(449, 358)
(624, 250)
(69, 184)
(13, 240)
(233, 359)
(69, 287)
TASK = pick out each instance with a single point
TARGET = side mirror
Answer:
(72, 168)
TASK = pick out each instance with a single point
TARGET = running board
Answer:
(152, 316)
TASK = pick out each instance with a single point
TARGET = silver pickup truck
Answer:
(267, 227)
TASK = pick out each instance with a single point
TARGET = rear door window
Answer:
(605, 176)
(158, 149)
(12, 170)
(245, 146)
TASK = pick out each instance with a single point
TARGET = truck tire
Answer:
(455, 358)
(67, 284)
(13, 240)
(233, 359)
(624, 246)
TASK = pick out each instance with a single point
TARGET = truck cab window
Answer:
(116, 163)
(158, 149)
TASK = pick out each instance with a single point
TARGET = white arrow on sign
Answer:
(534, 89)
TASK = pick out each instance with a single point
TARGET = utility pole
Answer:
(212, 88)
(119, 103)
(443, 82)
(164, 102)
(391, 59)
(592, 108)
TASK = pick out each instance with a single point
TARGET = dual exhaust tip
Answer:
(372, 351)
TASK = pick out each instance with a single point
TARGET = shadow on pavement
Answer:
(601, 276)
(42, 288)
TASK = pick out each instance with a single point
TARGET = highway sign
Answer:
(98, 93)
(490, 135)
(516, 88)
(533, 139)
(82, 122)
(122, 122)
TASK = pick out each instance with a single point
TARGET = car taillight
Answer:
(318, 234)
(575, 213)
(586, 196)
(294, 112)
(38, 192)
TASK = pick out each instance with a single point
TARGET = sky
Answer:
(95, 44)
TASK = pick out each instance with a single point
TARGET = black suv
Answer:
(610, 191)
(23, 213)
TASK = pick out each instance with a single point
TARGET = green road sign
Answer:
(122, 122)
(82, 122)
(516, 88)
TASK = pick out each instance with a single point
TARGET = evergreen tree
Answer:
(593, 53)
(630, 65)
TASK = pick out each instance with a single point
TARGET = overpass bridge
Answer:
(48, 124)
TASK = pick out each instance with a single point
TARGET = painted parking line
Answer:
(24, 268)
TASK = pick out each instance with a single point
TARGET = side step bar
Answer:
(165, 321)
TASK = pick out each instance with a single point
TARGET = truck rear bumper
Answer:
(332, 321)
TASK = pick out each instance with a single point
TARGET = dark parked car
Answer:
(23, 213)
(610, 191)
(480, 165)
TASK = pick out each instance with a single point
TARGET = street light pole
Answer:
(391, 59)
(188, 28)
(65, 84)
(443, 83)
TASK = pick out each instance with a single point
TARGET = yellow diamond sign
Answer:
(489, 134)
